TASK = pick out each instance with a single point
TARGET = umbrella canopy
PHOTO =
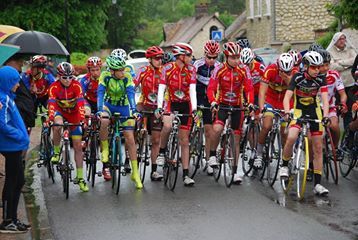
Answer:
(34, 42)
(6, 30)
(6, 51)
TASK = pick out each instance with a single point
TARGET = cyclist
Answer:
(116, 94)
(89, 84)
(226, 89)
(38, 80)
(204, 68)
(273, 87)
(256, 70)
(149, 77)
(168, 57)
(304, 88)
(244, 43)
(66, 103)
(179, 78)
(121, 53)
(297, 58)
(334, 84)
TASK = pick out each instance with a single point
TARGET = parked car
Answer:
(269, 55)
(136, 54)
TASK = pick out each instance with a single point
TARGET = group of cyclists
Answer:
(296, 85)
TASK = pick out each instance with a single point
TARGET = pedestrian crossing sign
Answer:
(217, 35)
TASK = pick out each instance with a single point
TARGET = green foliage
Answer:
(346, 9)
(226, 18)
(78, 58)
(325, 39)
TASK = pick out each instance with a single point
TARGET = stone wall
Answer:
(297, 20)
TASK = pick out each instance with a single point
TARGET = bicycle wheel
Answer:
(301, 165)
(113, 161)
(48, 154)
(274, 157)
(173, 164)
(94, 156)
(67, 170)
(248, 150)
(196, 151)
(330, 157)
(346, 159)
(229, 158)
(219, 159)
(120, 163)
(143, 154)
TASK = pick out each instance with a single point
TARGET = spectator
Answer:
(51, 66)
(355, 69)
(14, 139)
(343, 54)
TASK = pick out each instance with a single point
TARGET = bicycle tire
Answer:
(66, 177)
(332, 157)
(143, 150)
(347, 160)
(274, 157)
(48, 153)
(196, 151)
(113, 161)
(247, 151)
(93, 158)
(303, 164)
(173, 164)
(229, 159)
(120, 163)
(219, 160)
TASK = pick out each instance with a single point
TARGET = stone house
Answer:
(271, 23)
(194, 30)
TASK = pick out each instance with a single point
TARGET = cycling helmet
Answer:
(153, 51)
(119, 52)
(246, 56)
(168, 57)
(297, 57)
(65, 69)
(212, 47)
(244, 43)
(285, 62)
(115, 63)
(315, 47)
(325, 55)
(231, 49)
(94, 62)
(182, 49)
(313, 58)
(38, 61)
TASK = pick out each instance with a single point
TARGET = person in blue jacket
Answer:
(14, 139)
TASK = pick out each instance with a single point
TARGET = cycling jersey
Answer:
(203, 71)
(334, 84)
(227, 84)
(42, 84)
(68, 101)
(306, 100)
(117, 92)
(257, 71)
(178, 81)
(149, 78)
(89, 87)
(276, 86)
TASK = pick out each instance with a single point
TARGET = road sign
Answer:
(217, 35)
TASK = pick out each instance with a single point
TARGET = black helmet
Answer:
(244, 43)
(325, 55)
(315, 47)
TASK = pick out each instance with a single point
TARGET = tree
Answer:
(86, 20)
(346, 10)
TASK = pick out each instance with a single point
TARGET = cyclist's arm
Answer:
(161, 91)
(249, 90)
(213, 85)
(192, 90)
(51, 103)
(286, 100)
(50, 78)
(101, 90)
(84, 84)
(342, 96)
(131, 94)
(80, 101)
(262, 94)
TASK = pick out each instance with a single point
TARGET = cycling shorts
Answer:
(183, 108)
(124, 111)
(202, 99)
(74, 118)
(314, 112)
(153, 124)
(271, 114)
(236, 119)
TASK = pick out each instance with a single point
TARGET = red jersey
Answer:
(334, 84)
(178, 81)
(227, 84)
(257, 71)
(39, 86)
(149, 78)
(68, 100)
(89, 87)
(276, 86)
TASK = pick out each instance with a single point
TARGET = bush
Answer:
(78, 58)
(325, 40)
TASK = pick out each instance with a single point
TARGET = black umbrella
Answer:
(33, 42)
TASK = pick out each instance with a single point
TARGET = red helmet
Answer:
(38, 61)
(231, 49)
(154, 51)
(182, 49)
(212, 47)
(94, 62)
(65, 69)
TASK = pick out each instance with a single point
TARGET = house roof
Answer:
(237, 27)
(185, 29)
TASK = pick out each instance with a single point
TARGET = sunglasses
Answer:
(67, 78)
(286, 72)
(210, 57)
(158, 58)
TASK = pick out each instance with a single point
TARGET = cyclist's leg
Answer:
(218, 127)
(164, 135)
(353, 126)
(155, 140)
(56, 138)
(267, 122)
(103, 134)
(292, 135)
(184, 145)
(334, 127)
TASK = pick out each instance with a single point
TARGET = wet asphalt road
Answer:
(208, 210)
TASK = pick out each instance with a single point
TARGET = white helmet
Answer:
(246, 56)
(181, 48)
(285, 62)
(119, 52)
(313, 58)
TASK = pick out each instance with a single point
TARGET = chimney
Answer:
(201, 9)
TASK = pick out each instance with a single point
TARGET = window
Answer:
(252, 9)
(268, 8)
(259, 8)
(212, 28)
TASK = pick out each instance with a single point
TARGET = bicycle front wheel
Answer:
(48, 150)
(330, 158)
(120, 163)
(196, 151)
(229, 158)
(248, 147)
(173, 164)
(274, 157)
(143, 154)
(94, 156)
(67, 170)
(301, 165)
(346, 159)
